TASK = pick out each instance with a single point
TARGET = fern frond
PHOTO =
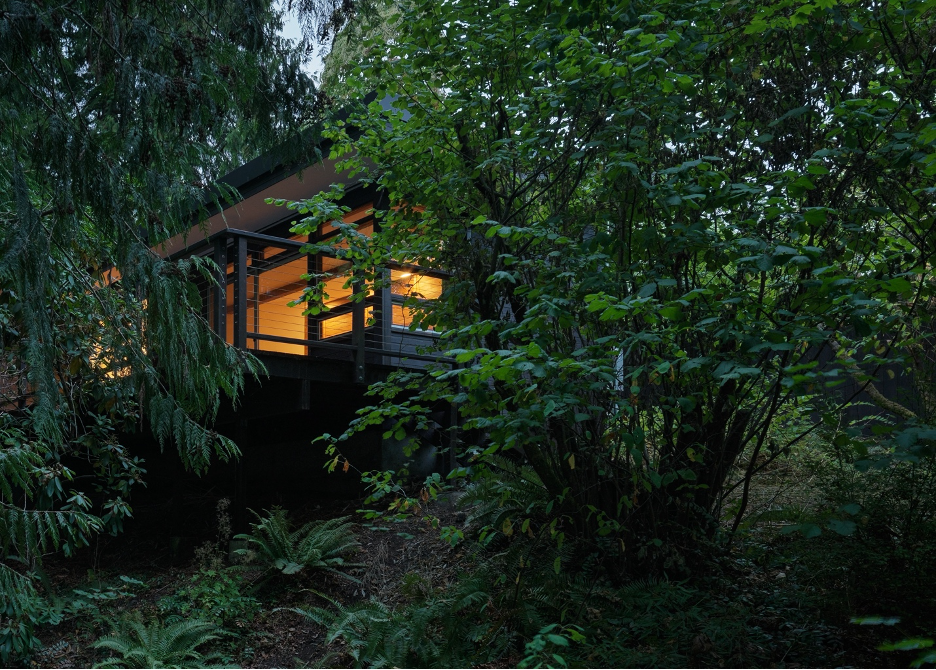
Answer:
(17, 463)
(21, 609)
(318, 545)
(23, 531)
(159, 646)
(441, 630)
(503, 489)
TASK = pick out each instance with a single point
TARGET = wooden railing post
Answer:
(240, 292)
(358, 323)
(385, 318)
(313, 267)
(220, 316)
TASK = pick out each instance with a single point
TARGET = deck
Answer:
(359, 338)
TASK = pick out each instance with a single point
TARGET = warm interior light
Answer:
(404, 275)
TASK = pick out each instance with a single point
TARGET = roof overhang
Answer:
(297, 170)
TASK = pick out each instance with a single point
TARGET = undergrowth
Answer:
(882, 568)
(318, 545)
(522, 598)
(134, 644)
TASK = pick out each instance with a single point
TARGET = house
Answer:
(319, 366)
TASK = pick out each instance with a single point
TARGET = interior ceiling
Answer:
(253, 214)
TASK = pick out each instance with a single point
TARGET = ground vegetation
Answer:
(671, 231)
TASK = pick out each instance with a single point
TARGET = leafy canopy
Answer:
(114, 119)
(669, 225)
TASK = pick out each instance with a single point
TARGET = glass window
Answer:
(341, 324)
(410, 284)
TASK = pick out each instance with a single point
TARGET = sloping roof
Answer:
(298, 169)
(296, 154)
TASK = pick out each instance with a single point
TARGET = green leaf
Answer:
(291, 568)
(908, 644)
(928, 658)
(841, 526)
(809, 530)
(862, 328)
(647, 290)
(876, 621)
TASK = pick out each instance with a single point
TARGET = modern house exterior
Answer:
(319, 366)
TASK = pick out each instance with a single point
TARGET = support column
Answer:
(239, 512)
(218, 299)
(358, 322)
(240, 292)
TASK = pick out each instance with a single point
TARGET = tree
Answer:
(114, 119)
(378, 25)
(669, 225)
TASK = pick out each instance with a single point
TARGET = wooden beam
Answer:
(220, 315)
(358, 323)
(240, 292)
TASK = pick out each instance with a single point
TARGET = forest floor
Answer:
(804, 611)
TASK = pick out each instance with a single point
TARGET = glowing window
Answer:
(341, 324)
(403, 316)
(409, 284)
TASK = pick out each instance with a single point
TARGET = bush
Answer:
(318, 545)
(159, 646)
(885, 565)
(21, 610)
(441, 628)
(213, 595)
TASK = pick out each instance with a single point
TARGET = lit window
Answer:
(410, 284)
(341, 324)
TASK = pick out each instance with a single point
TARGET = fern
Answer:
(503, 490)
(157, 646)
(21, 609)
(447, 628)
(318, 545)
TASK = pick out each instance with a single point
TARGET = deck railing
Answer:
(260, 275)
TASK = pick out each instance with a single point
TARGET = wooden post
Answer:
(255, 297)
(384, 301)
(220, 316)
(313, 267)
(240, 491)
(358, 322)
(385, 323)
(240, 292)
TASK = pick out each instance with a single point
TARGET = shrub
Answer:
(884, 563)
(21, 610)
(318, 545)
(212, 595)
(159, 646)
(439, 629)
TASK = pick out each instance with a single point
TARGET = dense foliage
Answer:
(114, 119)
(669, 226)
(676, 232)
